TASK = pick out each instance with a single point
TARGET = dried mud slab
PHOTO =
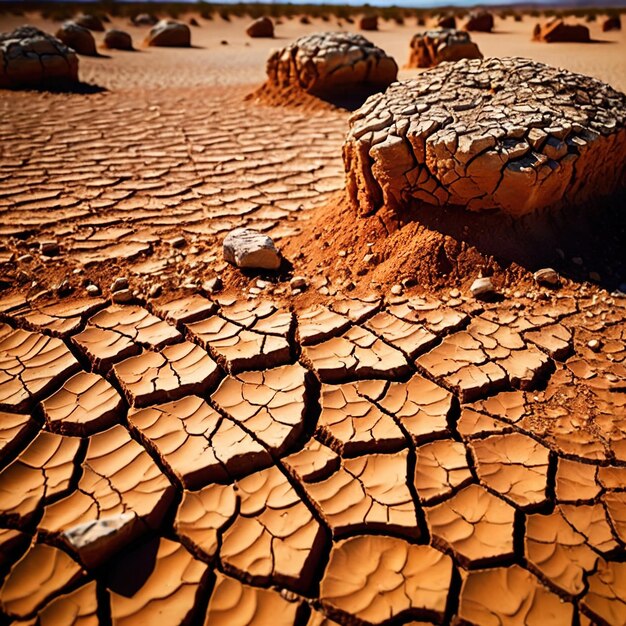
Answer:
(197, 444)
(352, 424)
(510, 595)
(234, 604)
(513, 465)
(242, 338)
(177, 370)
(118, 332)
(274, 539)
(367, 493)
(355, 355)
(42, 572)
(30, 364)
(440, 469)
(270, 405)
(85, 404)
(476, 525)
(167, 595)
(394, 579)
(43, 471)
(118, 477)
(537, 125)
(419, 406)
(324, 64)
(605, 599)
(75, 608)
(558, 552)
(14, 431)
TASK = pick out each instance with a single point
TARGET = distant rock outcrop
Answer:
(328, 63)
(31, 58)
(436, 46)
(558, 31)
(262, 27)
(170, 33)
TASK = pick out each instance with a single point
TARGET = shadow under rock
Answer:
(127, 573)
(582, 243)
(69, 87)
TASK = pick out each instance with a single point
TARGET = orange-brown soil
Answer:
(379, 448)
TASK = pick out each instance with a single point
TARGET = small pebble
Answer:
(594, 345)
(213, 285)
(342, 253)
(122, 296)
(261, 284)
(93, 290)
(396, 290)
(455, 293)
(547, 276)
(482, 287)
(25, 258)
(298, 282)
(178, 242)
(155, 290)
(119, 284)
(370, 258)
(49, 248)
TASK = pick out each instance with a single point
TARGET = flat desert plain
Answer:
(353, 439)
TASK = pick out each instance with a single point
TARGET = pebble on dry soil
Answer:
(247, 248)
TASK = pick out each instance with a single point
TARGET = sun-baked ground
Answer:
(346, 455)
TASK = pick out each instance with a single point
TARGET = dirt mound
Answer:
(510, 134)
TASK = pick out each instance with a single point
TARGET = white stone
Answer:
(247, 248)
(94, 541)
(482, 287)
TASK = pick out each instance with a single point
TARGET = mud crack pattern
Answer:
(404, 459)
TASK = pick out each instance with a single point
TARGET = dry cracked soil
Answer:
(347, 455)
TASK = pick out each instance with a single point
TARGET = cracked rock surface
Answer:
(433, 47)
(479, 134)
(328, 63)
(31, 58)
(404, 458)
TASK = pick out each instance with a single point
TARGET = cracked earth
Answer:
(346, 456)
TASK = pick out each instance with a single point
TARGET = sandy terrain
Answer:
(351, 454)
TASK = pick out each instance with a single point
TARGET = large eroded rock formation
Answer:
(508, 134)
(31, 58)
(436, 46)
(327, 63)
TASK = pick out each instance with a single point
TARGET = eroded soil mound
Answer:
(506, 134)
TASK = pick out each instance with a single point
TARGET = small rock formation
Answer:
(509, 134)
(479, 21)
(330, 63)
(171, 34)
(368, 22)
(31, 58)
(115, 39)
(193, 22)
(449, 21)
(247, 248)
(436, 46)
(558, 31)
(95, 541)
(612, 23)
(145, 19)
(92, 22)
(77, 37)
(262, 27)
(482, 288)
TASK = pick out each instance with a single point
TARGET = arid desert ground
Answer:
(352, 439)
